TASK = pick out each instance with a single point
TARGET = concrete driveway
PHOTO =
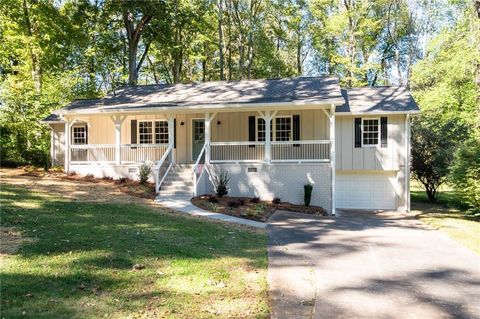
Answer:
(368, 265)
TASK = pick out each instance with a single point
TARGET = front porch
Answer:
(203, 140)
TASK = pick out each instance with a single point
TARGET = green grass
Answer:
(447, 196)
(447, 215)
(77, 263)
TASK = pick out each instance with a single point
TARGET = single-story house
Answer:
(271, 137)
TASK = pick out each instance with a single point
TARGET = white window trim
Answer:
(72, 135)
(379, 131)
(153, 130)
(274, 127)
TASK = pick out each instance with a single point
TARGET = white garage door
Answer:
(366, 190)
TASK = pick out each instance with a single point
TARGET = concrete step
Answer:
(176, 193)
(174, 182)
(176, 187)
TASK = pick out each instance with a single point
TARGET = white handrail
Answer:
(194, 169)
(158, 181)
(301, 142)
(236, 143)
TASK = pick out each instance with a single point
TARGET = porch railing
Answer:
(301, 151)
(134, 153)
(105, 153)
(84, 154)
(225, 152)
(162, 167)
(199, 168)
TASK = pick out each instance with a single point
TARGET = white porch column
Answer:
(66, 164)
(118, 120)
(171, 136)
(332, 153)
(268, 138)
(207, 137)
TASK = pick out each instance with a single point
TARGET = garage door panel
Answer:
(366, 190)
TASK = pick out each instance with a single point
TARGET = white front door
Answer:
(367, 190)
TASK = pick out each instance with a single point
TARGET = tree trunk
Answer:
(220, 38)
(299, 56)
(36, 68)
(134, 34)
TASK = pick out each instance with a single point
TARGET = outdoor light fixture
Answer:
(182, 124)
(218, 123)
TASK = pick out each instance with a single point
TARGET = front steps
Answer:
(178, 182)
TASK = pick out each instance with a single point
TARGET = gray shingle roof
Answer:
(296, 90)
(378, 99)
(302, 89)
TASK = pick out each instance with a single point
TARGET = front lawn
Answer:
(447, 215)
(74, 259)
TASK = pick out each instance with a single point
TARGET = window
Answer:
(283, 128)
(161, 132)
(370, 132)
(145, 132)
(281, 131)
(261, 130)
(79, 135)
(153, 132)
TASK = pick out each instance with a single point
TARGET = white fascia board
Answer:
(208, 107)
(376, 113)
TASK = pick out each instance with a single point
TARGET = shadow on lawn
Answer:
(83, 250)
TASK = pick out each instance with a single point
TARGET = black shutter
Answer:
(358, 132)
(383, 131)
(86, 134)
(133, 131)
(296, 129)
(174, 133)
(251, 129)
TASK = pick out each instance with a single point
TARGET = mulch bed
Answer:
(127, 186)
(249, 208)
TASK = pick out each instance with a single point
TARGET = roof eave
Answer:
(412, 112)
(123, 108)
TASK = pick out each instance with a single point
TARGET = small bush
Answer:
(89, 176)
(308, 194)
(72, 173)
(122, 180)
(255, 200)
(212, 207)
(233, 204)
(212, 199)
(221, 183)
(276, 201)
(241, 202)
(144, 173)
(107, 178)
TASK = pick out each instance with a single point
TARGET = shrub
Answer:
(233, 204)
(144, 173)
(241, 202)
(46, 162)
(89, 176)
(121, 180)
(221, 183)
(308, 194)
(276, 201)
(255, 200)
(465, 173)
(212, 199)
(212, 207)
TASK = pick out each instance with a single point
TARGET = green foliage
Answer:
(144, 172)
(307, 194)
(221, 183)
(465, 172)
(434, 140)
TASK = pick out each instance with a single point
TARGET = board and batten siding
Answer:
(58, 147)
(351, 158)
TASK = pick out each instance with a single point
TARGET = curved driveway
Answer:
(366, 265)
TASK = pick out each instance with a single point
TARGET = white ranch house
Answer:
(271, 136)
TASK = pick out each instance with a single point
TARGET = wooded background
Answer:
(52, 52)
